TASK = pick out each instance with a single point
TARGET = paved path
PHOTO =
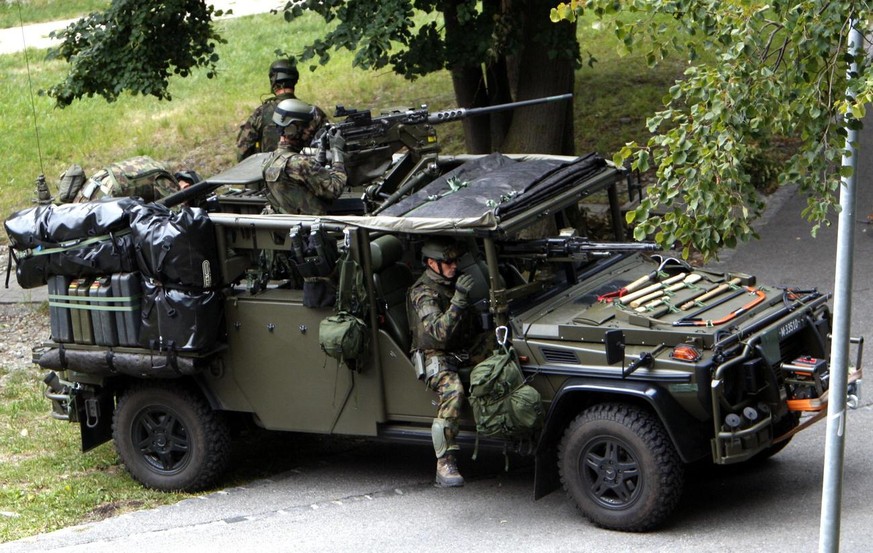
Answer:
(36, 35)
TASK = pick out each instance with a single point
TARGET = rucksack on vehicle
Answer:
(345, 335)
(504, 404)
(140, 176)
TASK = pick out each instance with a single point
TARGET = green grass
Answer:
(45, 481)
(15, 13)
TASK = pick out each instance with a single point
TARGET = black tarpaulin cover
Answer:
(495, 183)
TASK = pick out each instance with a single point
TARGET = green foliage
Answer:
(391, 33)
(778, 70)
(135, 46)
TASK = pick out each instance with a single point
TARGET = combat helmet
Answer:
(440, 249)
(283, 73)
(292, 110)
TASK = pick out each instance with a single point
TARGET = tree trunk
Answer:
(544, 66)
(546, 128)
(470, 89)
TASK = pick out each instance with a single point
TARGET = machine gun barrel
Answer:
(574, 247)
(455, 114)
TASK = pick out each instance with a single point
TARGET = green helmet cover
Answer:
(283, 73)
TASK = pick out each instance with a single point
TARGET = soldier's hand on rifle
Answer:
(321, 152)
(462, 290)
(337, 145)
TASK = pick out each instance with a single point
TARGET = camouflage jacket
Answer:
(260, 134)
(438, 326)
(298, 184)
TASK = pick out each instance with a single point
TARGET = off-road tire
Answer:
(169, 438)
(620, 468)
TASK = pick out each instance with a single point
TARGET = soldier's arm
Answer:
(438, 324)
(249, 135)
(326, 182)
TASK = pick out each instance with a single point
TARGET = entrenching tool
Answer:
(626, 299)
(711, 293)
(662, 296)
(654, 277)
(693, 320)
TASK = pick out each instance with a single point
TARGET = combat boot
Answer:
(447, 475)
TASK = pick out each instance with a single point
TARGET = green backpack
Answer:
(345, 336)
(504, 404)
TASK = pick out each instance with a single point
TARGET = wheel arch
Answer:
(688, 435)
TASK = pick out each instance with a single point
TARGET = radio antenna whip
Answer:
(42, 191)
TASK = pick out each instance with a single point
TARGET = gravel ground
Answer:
(22, 326)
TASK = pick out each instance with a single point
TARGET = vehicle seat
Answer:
(391, 281)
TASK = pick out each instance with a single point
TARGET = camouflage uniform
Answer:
(450, 337)
(298, 184)
(260, 134)
(138, 176)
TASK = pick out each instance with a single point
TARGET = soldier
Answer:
(258, 133)
(446, 330)
(299, 183)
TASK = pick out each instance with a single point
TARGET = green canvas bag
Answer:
(504, 404)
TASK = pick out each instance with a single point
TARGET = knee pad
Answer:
(443, 432)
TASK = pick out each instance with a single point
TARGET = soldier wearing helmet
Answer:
(298, 183)
(259, 133)
(446, 331)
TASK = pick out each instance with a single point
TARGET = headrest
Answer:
(385, 250)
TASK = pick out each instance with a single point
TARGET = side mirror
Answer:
(614, 340)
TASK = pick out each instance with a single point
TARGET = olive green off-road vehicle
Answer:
(644, 364)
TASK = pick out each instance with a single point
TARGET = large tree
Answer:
(774, 70)
(496, 51)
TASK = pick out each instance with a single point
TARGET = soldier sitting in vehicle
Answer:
(299, 183)
(259, 133)
(447, 332)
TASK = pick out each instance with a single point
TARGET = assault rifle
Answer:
(570, 248)
(372, 142)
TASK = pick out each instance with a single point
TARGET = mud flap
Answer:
(94, 413)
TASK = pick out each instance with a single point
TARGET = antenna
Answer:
(42, 191)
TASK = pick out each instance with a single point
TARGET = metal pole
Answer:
(829, 536)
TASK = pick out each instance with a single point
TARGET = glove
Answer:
(321, 152)
(337, 145)
(462, 290)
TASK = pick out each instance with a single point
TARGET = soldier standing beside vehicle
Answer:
(299, 183)
(259, 133)
(446, 331)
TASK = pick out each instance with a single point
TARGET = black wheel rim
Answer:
(610, 473)
(160, 437)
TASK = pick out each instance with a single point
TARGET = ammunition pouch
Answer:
(343, 336)
(71, 182)
(436, 364)
(418, 364)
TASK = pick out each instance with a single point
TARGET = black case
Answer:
(179, 320)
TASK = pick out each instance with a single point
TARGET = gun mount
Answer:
(372, 142)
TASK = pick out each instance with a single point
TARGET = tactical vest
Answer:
(463, 335)
(269, 130)
(287, 194)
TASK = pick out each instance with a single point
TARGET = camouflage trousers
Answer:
(450, 393)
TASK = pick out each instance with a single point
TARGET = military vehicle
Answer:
(644, 363)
